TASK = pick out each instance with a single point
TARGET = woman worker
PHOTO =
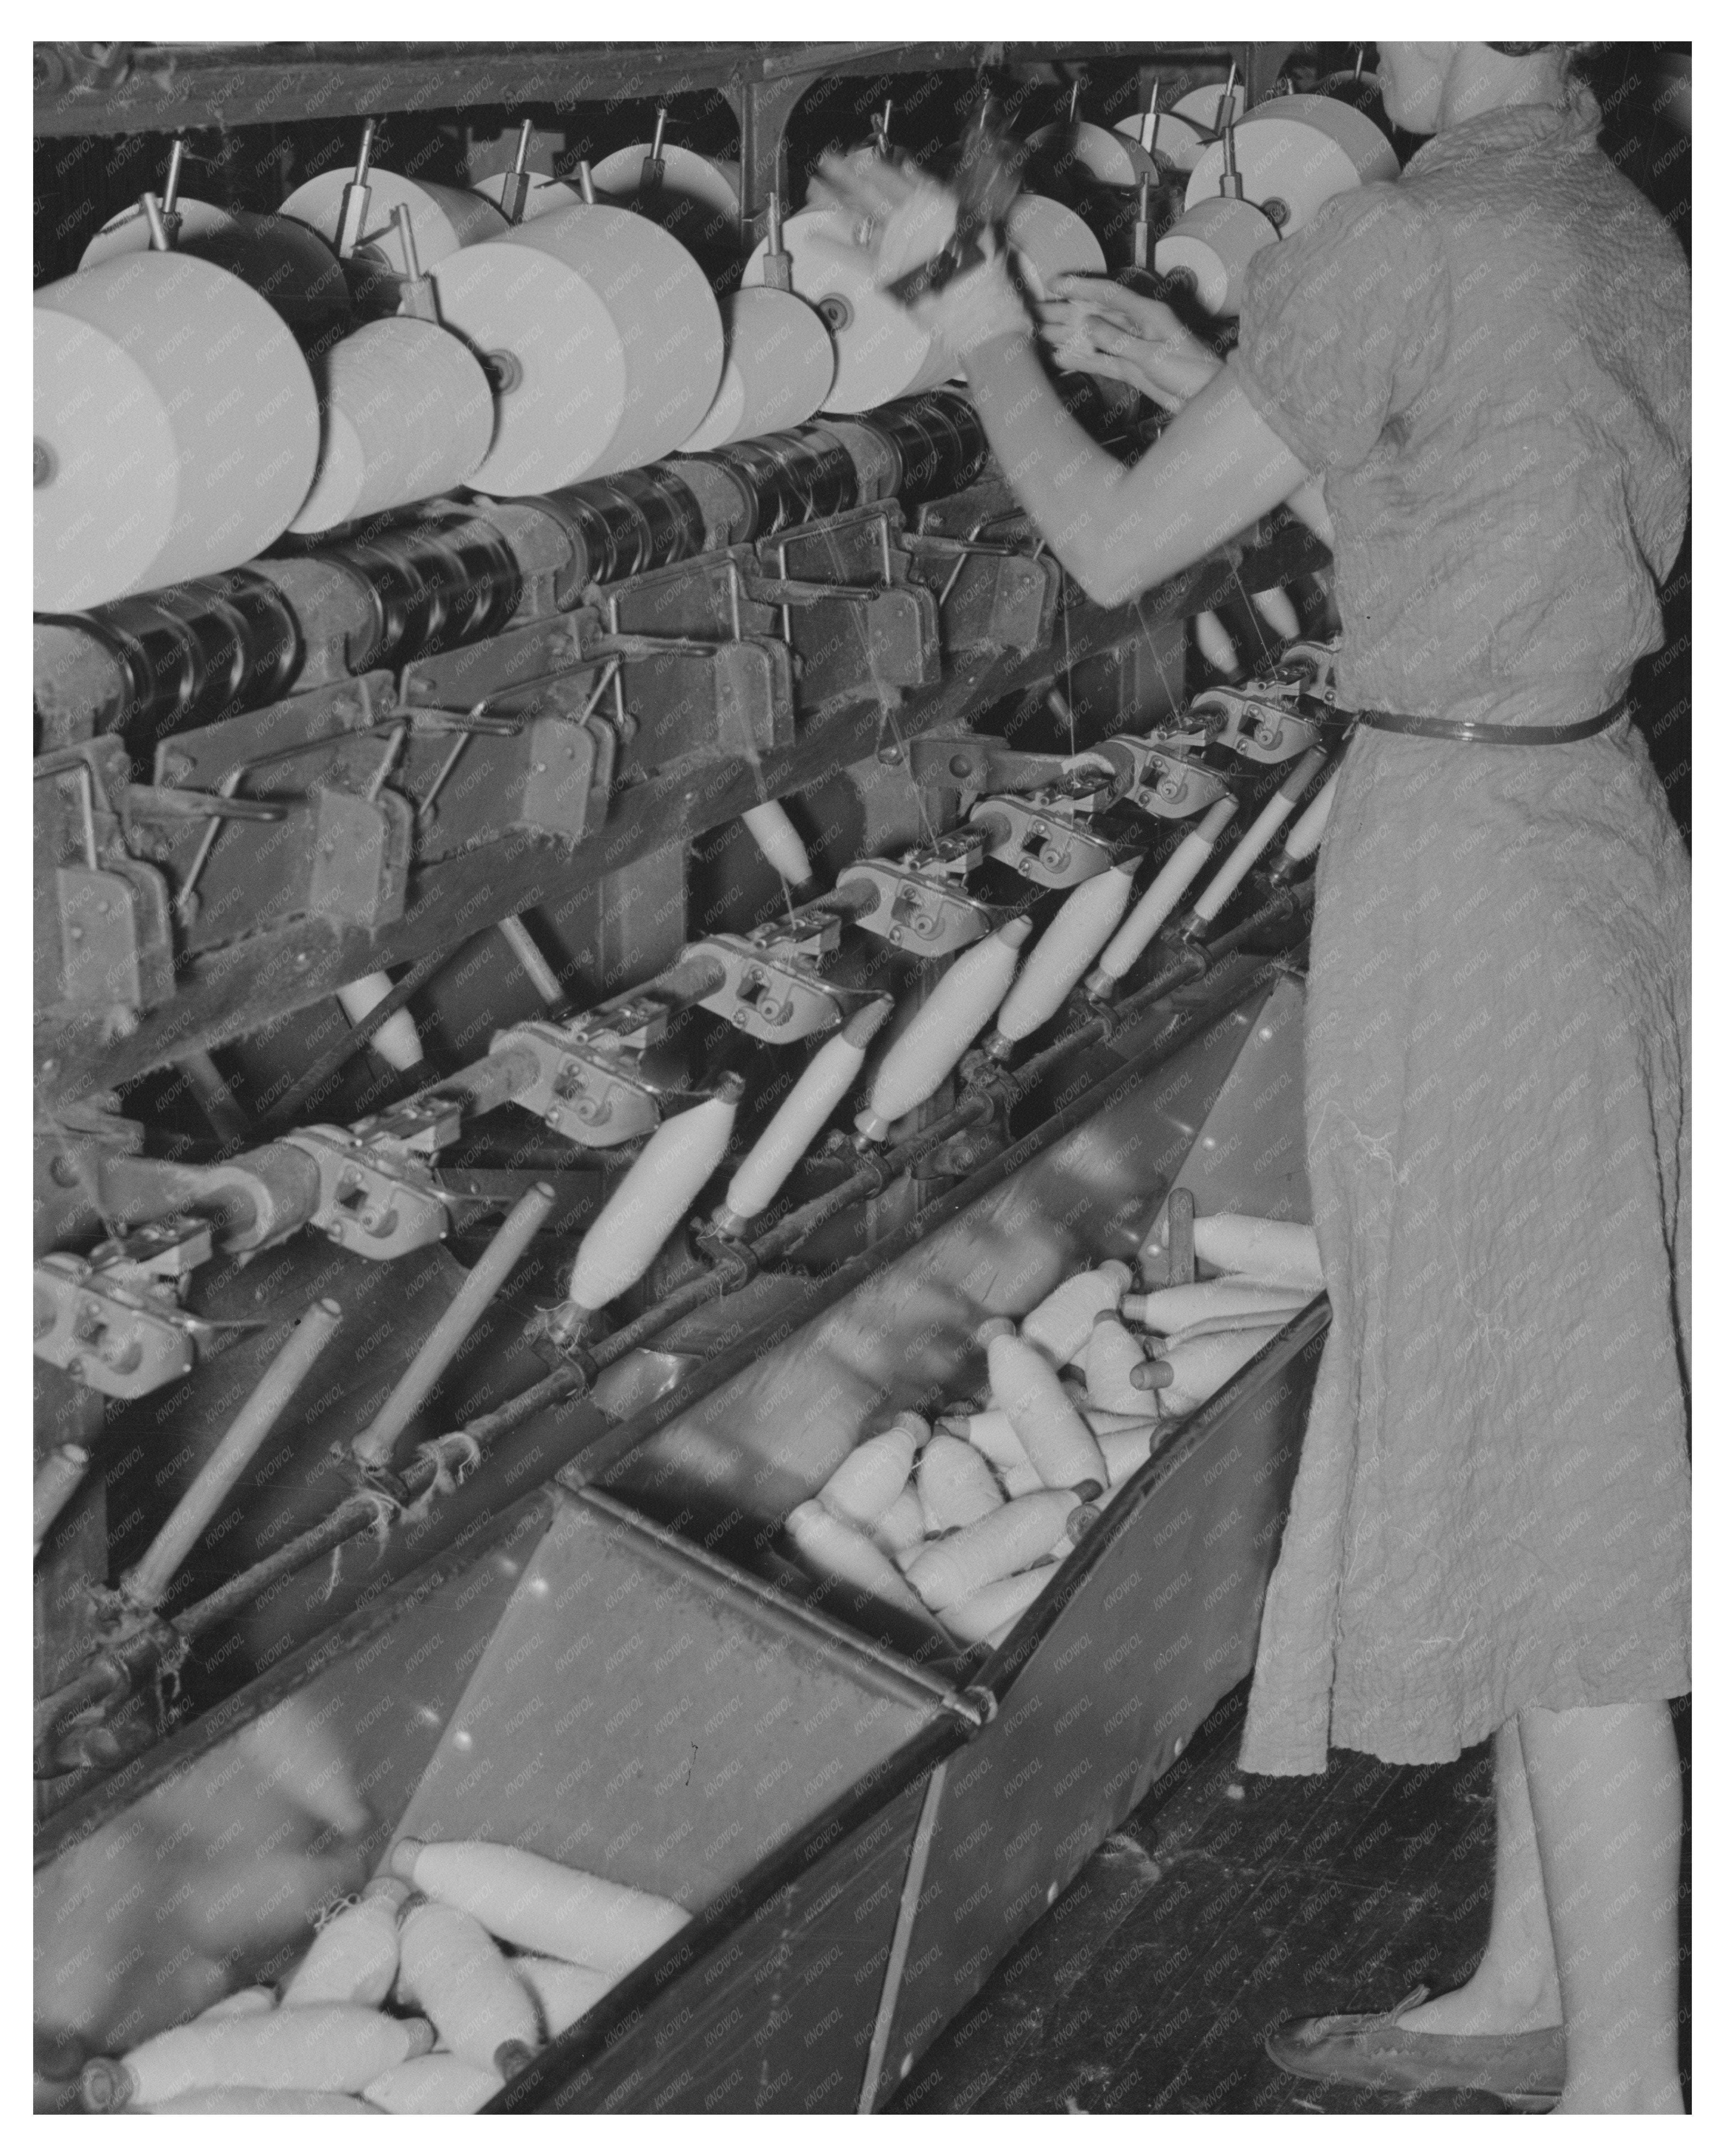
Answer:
(1474, 382)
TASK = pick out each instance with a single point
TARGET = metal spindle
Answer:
(531, 960)
(1269, 821)
(151, 1577)
(160, 236)
(373, 1445)
(357, 195)
(56, 1479)
(512, 196)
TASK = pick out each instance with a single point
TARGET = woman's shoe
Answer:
(1373, 2051)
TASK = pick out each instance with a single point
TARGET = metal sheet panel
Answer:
(196, 1871)
(1152, 1619)
(779, 2017)
(642, 1713)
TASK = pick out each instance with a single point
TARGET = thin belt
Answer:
(1476, 729)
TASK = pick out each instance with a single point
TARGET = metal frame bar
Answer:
(902, 1931)
(143, 89)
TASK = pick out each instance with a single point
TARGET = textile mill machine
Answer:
(601, 905)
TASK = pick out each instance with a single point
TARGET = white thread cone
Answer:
(963, 1000)
(1062, 953)
(652, 1197)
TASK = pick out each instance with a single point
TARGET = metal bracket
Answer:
(339, 848)
(101, 928)
(103, 1328)
(978, 763)
(848, 605)
(920, 902)
(168, 1250)
(517, 660)
(1159, 782)
(374, 1201)
(771, 988)
(204, 757)
(422, 1126)
(473, 777)
(990, 597)
(1045, 845)
(588, 1084)
(1262, 728)
(1312, 665)
(735, 1263)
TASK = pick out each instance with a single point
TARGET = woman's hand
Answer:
(1093, 326)
(901, 219)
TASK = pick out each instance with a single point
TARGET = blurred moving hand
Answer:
(900, 219)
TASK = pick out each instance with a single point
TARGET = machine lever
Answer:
(977, 763)
(177, 804)
(148, 1581)
(373, 1445)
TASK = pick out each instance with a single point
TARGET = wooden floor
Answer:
(1227, 1904)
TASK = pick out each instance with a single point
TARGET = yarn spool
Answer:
(879, 352)
(1293, 154)
(408, 413)
(128, 231)
(1363, 91)
(175, 428)
(603, 340)
(779, 364)
(282, 262)
(1047, 241)
(1214, 244)
(699, 202)
(445, 219)
(545, 197)
(1103, 154)
(1203, 106)
(1177, 139)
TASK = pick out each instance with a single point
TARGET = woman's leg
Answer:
(1515, 1986)
(1608, 1806)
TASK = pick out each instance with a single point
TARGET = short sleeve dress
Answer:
(1489, 359)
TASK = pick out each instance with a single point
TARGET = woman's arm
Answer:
(1217, 469)
(1092, 325)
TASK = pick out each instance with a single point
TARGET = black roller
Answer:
(192, 653)
(447, 580)
(408, 585)
(791, 478)
(940, 443)
(632, 523)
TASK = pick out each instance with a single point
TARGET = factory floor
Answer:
(1227, 1903)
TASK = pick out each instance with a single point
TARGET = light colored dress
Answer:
(1490, 361)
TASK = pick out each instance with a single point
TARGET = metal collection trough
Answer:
(622, 1671)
